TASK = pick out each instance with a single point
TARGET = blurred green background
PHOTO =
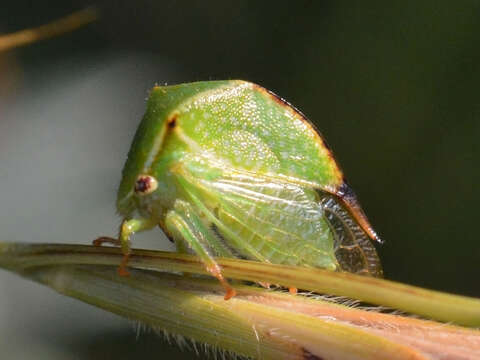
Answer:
(393, 86)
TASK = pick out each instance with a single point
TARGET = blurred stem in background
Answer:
(257, 323)
(58, 27)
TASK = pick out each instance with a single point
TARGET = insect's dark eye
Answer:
(145, 184)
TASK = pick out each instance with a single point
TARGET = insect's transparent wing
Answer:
(295, 218)
(264, 219)
(353, 248)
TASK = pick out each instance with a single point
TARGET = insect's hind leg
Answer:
(184, 225)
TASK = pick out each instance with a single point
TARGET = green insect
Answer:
(227, 168)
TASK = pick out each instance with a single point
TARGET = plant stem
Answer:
(257, 323)
(58, 27)
(430, 304)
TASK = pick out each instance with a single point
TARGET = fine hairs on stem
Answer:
(257, 323)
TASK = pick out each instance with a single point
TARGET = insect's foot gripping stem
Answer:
(185, 226)
(127, 229)
(122, 268)
(215, 271)
(106, 240)
(230, 292)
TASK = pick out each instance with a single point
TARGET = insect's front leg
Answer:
(127, 229)
(185, 226)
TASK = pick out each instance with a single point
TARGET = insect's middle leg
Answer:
(185, 226)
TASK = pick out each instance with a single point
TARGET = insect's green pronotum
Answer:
(227, 168)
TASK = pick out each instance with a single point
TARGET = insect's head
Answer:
(138, 188)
